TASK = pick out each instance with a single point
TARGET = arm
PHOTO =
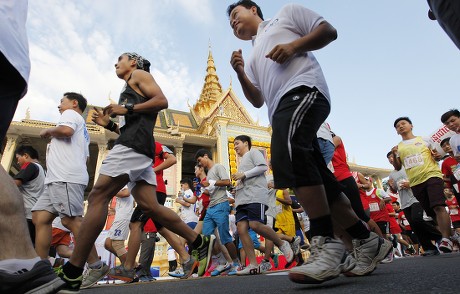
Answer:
(57, 132)
(365, 184)
(397, 161)
(255, 171)
(337, 141)
(318, 38)
(143, 83)
(251, 93)
(169, 160)
(123, 193)
(286, 200)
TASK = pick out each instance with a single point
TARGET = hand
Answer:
(381, 204)
(99, 118)
(238, 176)
(114, 109)
(237, 61)
(436, 154)
(281, 53)
(271, 185)
(44, 134)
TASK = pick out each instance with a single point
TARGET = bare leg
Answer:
(246, 240)
(74, 225)
(13, 226)
(64, 251)
(43, 231)
(443, 221)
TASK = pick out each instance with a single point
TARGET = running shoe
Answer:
(40, 279)
(92, 276)
(234, 269)
(445, 245)
(146, 278)
(221, 268)
(368, 253)
(249, 270)
(430, 252)
(295, 245)
(389, 258)
(203, 253)
(190, 267)
(275, 260)
(287, 251)
(327, 261)
(177, 273)
(120, 273)
(265, 266)
(70, 285)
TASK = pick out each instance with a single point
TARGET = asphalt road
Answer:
(436, 274)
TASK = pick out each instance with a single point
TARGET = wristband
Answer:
(111, 126)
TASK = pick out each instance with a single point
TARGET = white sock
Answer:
(11, 266)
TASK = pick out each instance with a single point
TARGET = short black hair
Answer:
(247, 4)
(389, 153)
(447, 115)
(444, 141)
(202, 152)
(396, 202)
(187, 181)
(400, 119)
(26, 149)
(80, 99)
(244, 138)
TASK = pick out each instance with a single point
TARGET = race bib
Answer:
(374, 207)
(453, 211)
(405, 223)
(413, 161)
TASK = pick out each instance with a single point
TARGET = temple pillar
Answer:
(178, 155)
(100, 157)
(8, 153)
(222, 144)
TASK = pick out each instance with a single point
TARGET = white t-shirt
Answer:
(13, 36)
(253, 189)
(455, 144)
(324, 132)
(66, 157)
(188, 214)
(124, 208)
(272, 79)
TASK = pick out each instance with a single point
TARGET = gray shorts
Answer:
(63, 199)
(122, 160)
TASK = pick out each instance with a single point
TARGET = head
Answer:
(448, 193)
(445, 145)
(390, 157)
(130, 61)
(72, 100)
(244, 17)
(26, 153)
(396, 205)
(204, 158)
(403, 125)
(452, 120)
(186, 184)
(242, 144)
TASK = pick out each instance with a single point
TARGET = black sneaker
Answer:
(40, 279)
(71, 285)
(203, 253)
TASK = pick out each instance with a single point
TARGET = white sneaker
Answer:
(249, 270)
(221, 268)
(295, 245)
(92, 276)
(265, 266)
(445, 245)
(389, 258)
(327, 261)
(287, 251)
(368, 253)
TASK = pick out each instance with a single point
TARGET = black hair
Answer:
(146, 65)
(400, 119)
(447, 115)
(247, 4)
(389, 153)
(444, 141)
(203, 152)
(397, 203)
(187, 181)
(26, 149)
(244, 138)
(80, 99)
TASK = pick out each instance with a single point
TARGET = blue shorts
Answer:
(255, 240)
(217, 217)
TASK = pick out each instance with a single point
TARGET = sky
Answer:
(389, 60)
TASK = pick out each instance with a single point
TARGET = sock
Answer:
(11, 266)
(322, 226)
(96, 265)
(198, 241)
(358, 231)
(71, 271)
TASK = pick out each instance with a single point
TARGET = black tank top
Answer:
(137, 133)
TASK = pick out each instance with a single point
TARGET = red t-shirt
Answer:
(159, 158)
(149, 227)
(339, 161)
(362, 193)
(394, 226)
(403, 221)
(377, 214)
(449, 165)
(453, 209)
